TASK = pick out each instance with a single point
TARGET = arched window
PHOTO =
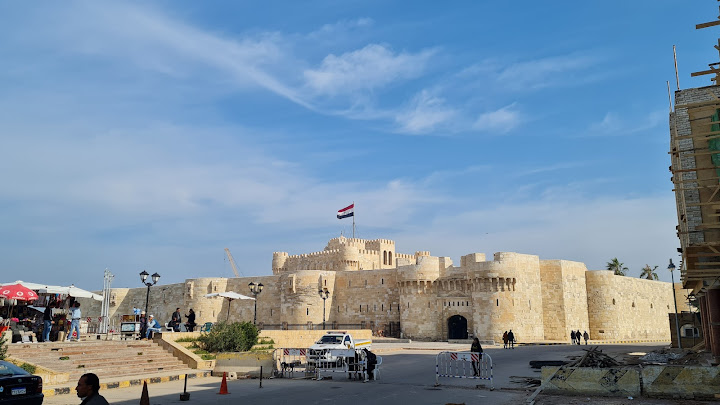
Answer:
(384, 256)
(390, 258)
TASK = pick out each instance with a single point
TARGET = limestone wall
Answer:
(564, 298)
(420, 313)
(537, 299)
(621, 307)
(369, 296)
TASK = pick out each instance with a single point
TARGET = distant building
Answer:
(420, 296)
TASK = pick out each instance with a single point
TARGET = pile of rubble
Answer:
(594, 357)
(663, 356)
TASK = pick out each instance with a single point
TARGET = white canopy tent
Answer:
(230, 295)
(56, 289)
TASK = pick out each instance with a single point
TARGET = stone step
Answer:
(114, 372)
(105, 358)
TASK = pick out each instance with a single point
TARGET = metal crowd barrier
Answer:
(460, 365)
(350, 361)
(289, 361)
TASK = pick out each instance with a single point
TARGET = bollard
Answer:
(185, 396)
(261, 376)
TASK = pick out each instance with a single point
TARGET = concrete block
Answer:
(593, 381)
(683, 381)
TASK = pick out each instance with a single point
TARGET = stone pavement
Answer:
(408, 368)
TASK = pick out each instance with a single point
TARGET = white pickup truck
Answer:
(325, 349)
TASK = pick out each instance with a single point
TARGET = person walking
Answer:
(47, 322)
(175, 320)
(572, 336)
(88, 389)
(578, 336)
(586, 337)
(505, 340)
(190, 324)
(511, 339)
(75, 315)
(476, 348)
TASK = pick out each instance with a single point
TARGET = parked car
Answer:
(322, 350)
(17, 386)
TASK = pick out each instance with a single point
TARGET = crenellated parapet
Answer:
(417, 286)
(492, 284)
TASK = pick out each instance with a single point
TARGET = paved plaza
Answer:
(407, 377)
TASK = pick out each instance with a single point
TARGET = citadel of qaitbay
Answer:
(419, 296)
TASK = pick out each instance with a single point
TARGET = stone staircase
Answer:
(110, 360)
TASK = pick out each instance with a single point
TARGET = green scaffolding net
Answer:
(714, 144)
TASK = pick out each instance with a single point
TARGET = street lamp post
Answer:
(324, 294)
(143, 276)
(255, 289)
(671, 267)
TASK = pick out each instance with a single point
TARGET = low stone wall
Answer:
(246, 363)
(49, 377)
(168, 342)
(687, 382)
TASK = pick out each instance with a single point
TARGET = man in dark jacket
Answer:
(476, 348)
(88, 388)
(47, 322)
(175, 320)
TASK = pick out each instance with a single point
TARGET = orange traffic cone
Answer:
(144, 398)
(223, 386)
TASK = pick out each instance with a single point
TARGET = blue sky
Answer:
(152, 135)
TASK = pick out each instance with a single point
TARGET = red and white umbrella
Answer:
(18, 292)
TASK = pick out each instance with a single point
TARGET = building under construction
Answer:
(695, 153)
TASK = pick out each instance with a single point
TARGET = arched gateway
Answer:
(457, 327)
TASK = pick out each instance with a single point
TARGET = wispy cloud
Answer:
(545, 72)
(425, 113)
(341, 27)
(364, 69)
(499, 121)
(613, 124)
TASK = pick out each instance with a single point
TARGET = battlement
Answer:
(315, 254)
(422, 253)
(359, 243)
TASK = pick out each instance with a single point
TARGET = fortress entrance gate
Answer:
(457, 327)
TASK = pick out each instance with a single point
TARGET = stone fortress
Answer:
(424, 297)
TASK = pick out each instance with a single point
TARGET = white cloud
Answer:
(342, 26)
(424, 114)
(545, 72)
(613, 124)
(364, 69)
(499, 121)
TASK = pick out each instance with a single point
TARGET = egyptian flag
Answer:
(348, 211)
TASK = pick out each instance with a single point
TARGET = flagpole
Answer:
(353, 219)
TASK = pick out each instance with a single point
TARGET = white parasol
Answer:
(230, 295)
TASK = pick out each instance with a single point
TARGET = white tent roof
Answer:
(230, 295)
(56, 289)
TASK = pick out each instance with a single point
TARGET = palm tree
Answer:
(649, 273)
(618, 268)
